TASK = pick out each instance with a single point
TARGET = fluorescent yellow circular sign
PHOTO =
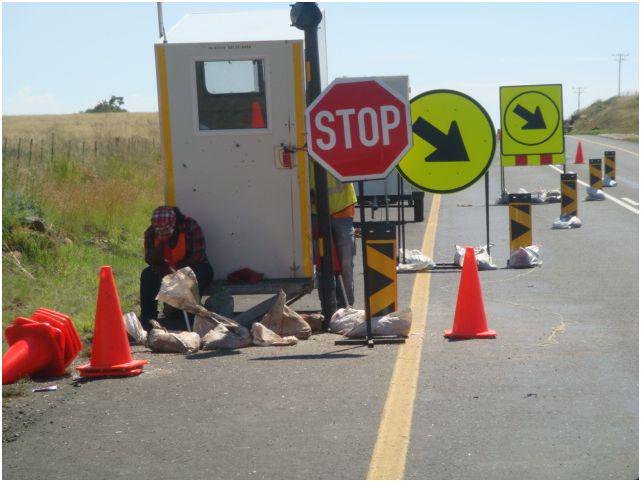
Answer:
(454, 142)
(531, 118)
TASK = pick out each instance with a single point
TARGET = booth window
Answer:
(231, 95)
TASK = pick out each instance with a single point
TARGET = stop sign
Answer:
(358, 129)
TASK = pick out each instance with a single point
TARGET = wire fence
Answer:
(24, 158)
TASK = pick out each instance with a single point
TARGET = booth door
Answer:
(236, 165)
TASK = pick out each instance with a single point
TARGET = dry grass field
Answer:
(78, 191)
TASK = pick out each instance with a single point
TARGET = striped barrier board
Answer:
(381, 280)
(596, 174)
(569, 205)
(520, 221)
(532, 159)
(610, 164)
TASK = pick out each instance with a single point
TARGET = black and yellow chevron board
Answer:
(596, 174)
(610, 164)
(569, 206)
(381, 284)
(520, 221)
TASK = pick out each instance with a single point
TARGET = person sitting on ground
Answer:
(172, 241)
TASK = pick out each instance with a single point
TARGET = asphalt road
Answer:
(555, 395)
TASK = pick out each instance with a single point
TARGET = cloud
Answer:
(26, 101)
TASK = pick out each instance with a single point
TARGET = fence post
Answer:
(83, 148)
(95, 149)
(42, 150)
(52, 144)
(30, 149)
(4, 145)
(19, 146)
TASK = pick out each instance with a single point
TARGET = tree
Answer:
(112, 105)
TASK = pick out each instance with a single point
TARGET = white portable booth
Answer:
(231, 89)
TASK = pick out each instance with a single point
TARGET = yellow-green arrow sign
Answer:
(532, 119)
(454, 142)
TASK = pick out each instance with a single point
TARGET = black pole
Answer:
(306, 16)
(487, 210)
(361, 203)
(402, 202)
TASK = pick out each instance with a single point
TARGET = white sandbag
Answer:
(216, 331)
(525, 257)
(396, 323)
(567, 222)
(415, 260)
(284, 321)
(594, 194)
(345, 319)
(160, 340)
(553, 196)
(134, 328)
(263, 336)
(180, 290)
(609, 182)
(483, 258)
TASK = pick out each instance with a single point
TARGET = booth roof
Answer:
(239, 26)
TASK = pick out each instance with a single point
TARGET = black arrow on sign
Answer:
(533, 121)
(449, 147)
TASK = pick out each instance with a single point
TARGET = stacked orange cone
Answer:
(469, 318)
(110, 353)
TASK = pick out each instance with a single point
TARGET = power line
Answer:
(579, 91)
(620, 58)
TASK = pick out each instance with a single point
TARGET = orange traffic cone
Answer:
(469, 318)
(34, 348)
(578, 158)
(258, 122)
(110, 353)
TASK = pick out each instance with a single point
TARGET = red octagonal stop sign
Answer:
(358, 129)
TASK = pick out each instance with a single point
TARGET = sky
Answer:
(64, 58)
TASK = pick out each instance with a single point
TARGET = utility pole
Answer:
(620, 58)
(579, 91)
(306, 16)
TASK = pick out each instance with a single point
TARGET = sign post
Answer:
(358, 129)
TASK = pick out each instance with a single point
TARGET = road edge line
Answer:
(608, 196)
(393, 438)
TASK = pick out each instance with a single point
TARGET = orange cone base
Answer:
(466, 336)
(130, 369)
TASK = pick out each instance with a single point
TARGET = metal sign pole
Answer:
(402, 203)
(307, 17)
(487, 210)
(361, 203)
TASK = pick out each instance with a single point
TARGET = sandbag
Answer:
(567, 222)
(284, 321)
(528, 257)
(483, 258)
(396, 323)
(160, 340)
(134, 328)
(609, 182)
(594, 194)
(216, 331)
(220, 301)
(415, 260)
(263, 336)
(553, 196)
(345, 319)
(314, 320)
(180, 290)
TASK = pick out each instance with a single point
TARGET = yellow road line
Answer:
(605, 145)
(390, 449)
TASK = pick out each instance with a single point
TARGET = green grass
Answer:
(617, 115)
(95, 208)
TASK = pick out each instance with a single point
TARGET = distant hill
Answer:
(617, 115)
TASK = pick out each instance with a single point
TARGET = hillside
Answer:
(78, 192)
(617, 115)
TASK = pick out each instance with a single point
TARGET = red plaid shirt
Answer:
(194, 239)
